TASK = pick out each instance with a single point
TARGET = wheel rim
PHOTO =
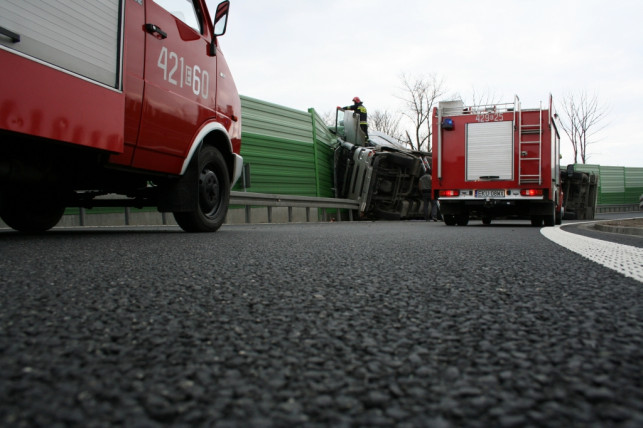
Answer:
(210, 192)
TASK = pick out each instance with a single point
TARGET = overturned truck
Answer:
(580, 192)
(377, 171)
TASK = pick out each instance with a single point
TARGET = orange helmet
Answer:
(357, 100)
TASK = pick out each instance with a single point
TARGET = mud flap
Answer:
(181, 194)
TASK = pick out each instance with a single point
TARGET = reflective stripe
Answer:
(362, 113)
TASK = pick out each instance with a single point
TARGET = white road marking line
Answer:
(624, 259)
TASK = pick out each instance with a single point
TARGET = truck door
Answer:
(180, 83)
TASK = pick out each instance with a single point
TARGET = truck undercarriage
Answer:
(580, 190)
(39, 178)
(383, 178)
(461, 212)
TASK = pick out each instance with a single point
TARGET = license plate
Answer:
(490, 193)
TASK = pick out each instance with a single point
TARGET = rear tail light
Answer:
(531, 192)
(449, 193)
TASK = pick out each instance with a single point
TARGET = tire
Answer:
(486, 220)
(559, 217)
(213, 194)
(31, 209)
(462, 219)
(449, 220)
(537, 221)
(550, 219)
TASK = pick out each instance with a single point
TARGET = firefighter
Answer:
(424, 184)
(358, 107)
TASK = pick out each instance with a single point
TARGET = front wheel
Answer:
(559, 216)
(213, 194)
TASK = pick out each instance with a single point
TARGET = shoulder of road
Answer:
(632, 226)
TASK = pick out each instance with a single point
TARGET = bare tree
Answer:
(383, 121)
(329, 117)
(583, 117)
(420, 94)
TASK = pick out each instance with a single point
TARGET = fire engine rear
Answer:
(492, 161)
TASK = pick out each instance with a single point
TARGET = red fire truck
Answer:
(493, 161)
(116, 103)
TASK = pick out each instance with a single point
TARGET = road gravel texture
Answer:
(363, 324)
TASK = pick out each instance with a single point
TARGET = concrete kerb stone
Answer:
(625, 230)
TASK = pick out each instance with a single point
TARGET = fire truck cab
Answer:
(116, 103)
(492, 161)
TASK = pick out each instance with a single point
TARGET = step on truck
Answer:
(496, 161)
(116, 103)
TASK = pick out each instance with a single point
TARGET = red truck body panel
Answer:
(150, 119)
(45, 102)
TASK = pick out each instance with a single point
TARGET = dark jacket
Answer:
(359, 107)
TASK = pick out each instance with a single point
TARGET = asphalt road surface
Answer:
(407, 324)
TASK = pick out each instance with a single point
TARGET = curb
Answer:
(637, 231)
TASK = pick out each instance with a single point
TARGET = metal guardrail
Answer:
(250, 199)
(617, 208)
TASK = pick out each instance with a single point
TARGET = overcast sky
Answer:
(320, 54)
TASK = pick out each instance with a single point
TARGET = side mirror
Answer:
(220, 23)
(221, 18)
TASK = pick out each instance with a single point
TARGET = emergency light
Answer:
(447, 123)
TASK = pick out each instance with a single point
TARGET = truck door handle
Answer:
(155, 29)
